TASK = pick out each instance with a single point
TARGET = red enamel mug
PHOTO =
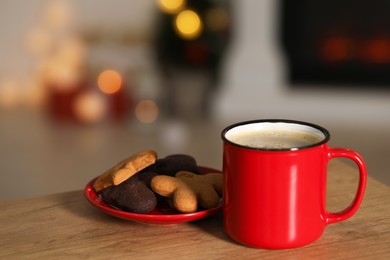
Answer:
(275, 182)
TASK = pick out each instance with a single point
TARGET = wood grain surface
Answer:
(66, 226)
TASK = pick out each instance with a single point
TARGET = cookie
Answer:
(125, 169)
(188, 190)
(174, 163)
(133, 195)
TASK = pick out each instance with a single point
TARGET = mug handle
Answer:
(353, 207)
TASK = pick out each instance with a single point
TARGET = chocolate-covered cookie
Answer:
(174, 163)
(133, 195)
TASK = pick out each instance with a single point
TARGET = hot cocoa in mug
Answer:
(274, 136)
(275, 182)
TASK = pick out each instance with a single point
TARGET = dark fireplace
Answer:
(336, 42)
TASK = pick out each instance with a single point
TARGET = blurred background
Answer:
(84, 84)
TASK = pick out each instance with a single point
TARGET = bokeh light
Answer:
(9, 94)
(58, 14)
(72, 52)
(336, 49)
(188, 24)
(60, 76)
(39, 41)
(90, 107)
(377, 51)
(170, 6)
(146, 111)
(109, 81)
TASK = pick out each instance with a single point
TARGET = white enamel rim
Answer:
(276, 124)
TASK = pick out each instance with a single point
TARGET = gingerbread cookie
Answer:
(186, 189)
(125, 169)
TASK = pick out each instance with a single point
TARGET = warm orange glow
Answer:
(39, 41)
(9, 94)
(60, 76)
(58, 14)
(170, 6)
(90, 107)
(188, 24)
(336, 49)
(109, 81)
(146, 111)
(377, 51)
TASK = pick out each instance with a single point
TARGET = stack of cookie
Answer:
(137, 183)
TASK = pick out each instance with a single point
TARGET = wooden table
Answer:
(66, 226)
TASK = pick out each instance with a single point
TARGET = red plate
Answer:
(162, 214)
